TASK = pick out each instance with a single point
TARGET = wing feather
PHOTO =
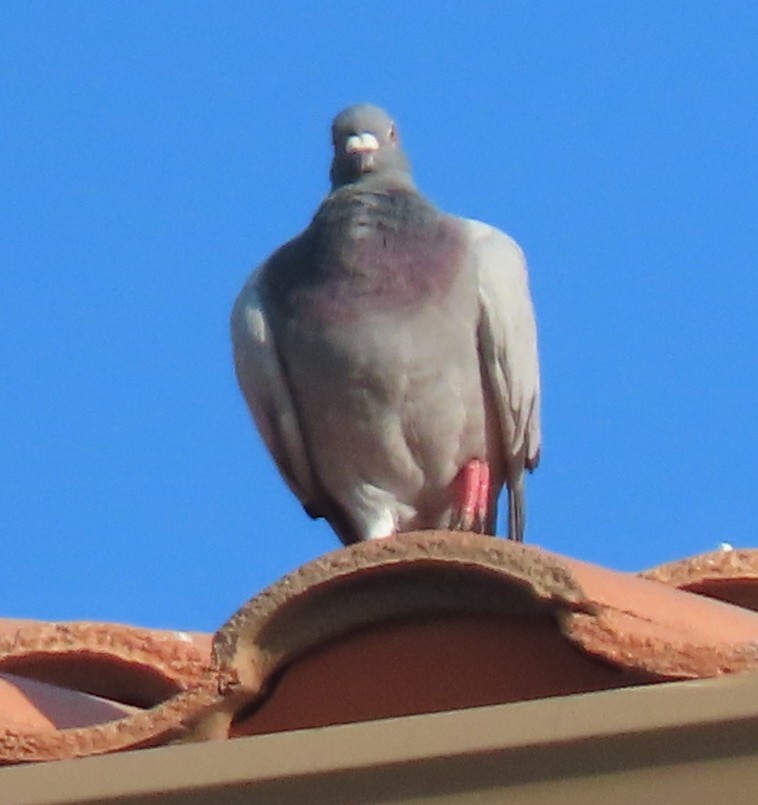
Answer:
(266, 390)
(508, 341)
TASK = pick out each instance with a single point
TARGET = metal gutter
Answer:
(681, 742)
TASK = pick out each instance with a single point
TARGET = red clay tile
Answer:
(125, 663)
(300, 640)
(728, 575)
(653, 627)
(427, 665)
(70, 689)
(415, 623)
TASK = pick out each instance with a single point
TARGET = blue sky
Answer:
(155, 152)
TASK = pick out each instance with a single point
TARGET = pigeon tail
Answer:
(337, 518)
(516, 509)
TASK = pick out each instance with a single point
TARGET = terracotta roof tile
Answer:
(412, 624)
(129, 664)
(72, 689)
(728, 575)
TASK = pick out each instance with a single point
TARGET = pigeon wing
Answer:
(266, 390)
(508, 342)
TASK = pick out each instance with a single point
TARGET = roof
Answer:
(684, 742)
(415, 624)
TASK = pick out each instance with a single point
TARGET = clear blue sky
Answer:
(154, 152)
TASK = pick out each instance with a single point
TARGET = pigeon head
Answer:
(366, 143)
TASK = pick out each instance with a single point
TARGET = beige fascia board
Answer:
(699, 737)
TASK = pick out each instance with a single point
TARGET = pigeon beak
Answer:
(364, 146)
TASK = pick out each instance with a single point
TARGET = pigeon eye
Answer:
(392, 134)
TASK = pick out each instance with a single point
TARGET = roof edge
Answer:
(720, 715)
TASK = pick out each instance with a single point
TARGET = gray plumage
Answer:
(388, 345)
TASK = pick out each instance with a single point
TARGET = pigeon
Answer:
(388, 353)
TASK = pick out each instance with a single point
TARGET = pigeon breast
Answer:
(375, 312)
(382, 252)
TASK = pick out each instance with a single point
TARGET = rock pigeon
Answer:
(388, 353)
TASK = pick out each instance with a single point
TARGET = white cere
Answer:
(361, 142)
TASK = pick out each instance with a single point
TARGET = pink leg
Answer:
(472, 493)
(483, 499)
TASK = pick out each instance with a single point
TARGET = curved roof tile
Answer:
(411, 624)
(73, 689)
(729, 575)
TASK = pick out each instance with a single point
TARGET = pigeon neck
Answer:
(379, 182)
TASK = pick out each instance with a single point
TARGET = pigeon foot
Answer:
(472, 490)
